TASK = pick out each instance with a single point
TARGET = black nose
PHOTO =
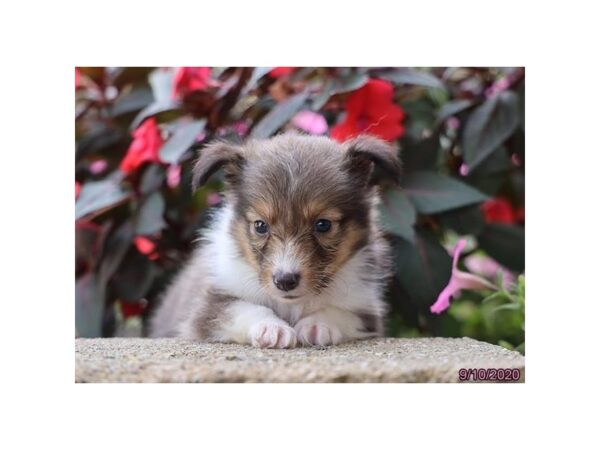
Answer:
(286, 281)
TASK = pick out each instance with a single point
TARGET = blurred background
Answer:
(456, 222)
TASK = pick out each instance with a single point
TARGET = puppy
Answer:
(295, 255)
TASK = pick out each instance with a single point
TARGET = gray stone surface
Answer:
(376, 360)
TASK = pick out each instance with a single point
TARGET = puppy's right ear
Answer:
(214, 157)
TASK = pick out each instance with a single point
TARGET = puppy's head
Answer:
(302, 205)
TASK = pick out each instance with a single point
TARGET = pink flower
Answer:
(77, 189)
(213, 199)
(146, 247)
(458, 280)
(489, 268)
(453, 123)
(241, 128)
(173, 176)
(98, 166)
(498, 86)
(311, 122)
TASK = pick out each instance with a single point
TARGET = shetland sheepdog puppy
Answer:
(295, 255)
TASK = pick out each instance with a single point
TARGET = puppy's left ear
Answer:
(365, 153)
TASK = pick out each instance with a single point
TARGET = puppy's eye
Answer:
(261, 227)
(322, 225)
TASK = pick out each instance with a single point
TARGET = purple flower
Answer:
(458, 280)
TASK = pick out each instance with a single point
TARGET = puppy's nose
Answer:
(286, 281)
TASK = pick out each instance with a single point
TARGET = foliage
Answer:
(461, 134)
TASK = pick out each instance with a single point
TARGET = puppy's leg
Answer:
(226, 319)
(330, 326)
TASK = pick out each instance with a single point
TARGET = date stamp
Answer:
(491, 374)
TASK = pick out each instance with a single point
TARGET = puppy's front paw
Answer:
(271, 334)
(311, 331)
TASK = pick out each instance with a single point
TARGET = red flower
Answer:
(146, 143)
(190, 79)
(499, 210)
(77, 78)
(146, 247)
(520, 215)
(129, 309)
(281, 71)
(371, 110)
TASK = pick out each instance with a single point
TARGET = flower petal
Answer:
(459, 280)
(145, 146)
(311, 122)
(371, 110)
(465, 280)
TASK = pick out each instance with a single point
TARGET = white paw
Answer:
(271, 334)
(312, 332)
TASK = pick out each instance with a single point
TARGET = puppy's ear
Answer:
(367, 152)
(215, 156)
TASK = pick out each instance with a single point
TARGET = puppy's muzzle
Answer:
(286, 281)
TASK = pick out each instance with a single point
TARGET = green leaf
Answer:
(161, 82)
(423, 268)
(152, 110)
(421, 155)
(98, 196)
(488, 126)
(507, 307)
(150, 215)
(122, 76)
(350, 83)
(134, 100)
(101, 138)
(504, 243)
(114, 250)
(452, 108)
(412, 76)
(185, 135)
(465, 220)
(326, 92)
(498, 295)
(432, 192)
(134, 278)
(89, 306)
(279, 116)
(397, 214)
(496, 162)
(420, 118)
(153, 179)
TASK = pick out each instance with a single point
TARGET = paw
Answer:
(311, 331)
(271, 334)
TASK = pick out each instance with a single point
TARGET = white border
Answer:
(41, 44)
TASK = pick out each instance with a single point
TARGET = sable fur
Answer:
(226, 291)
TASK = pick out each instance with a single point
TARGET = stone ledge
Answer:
(375, 360)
